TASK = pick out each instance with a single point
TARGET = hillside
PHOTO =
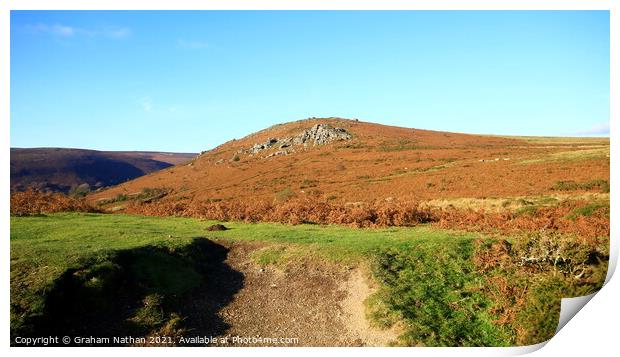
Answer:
(341, 160)
(60, 169)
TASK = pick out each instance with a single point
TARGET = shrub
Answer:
(80, 190)
(526, 277)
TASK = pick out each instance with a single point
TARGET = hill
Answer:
(350, 161)
(60, 169)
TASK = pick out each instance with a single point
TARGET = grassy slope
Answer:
(428, 276)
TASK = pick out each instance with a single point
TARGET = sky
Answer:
(187, 81)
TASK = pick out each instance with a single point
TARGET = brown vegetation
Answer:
(293, 211)
(31, 202)
(380, 162)
(574, 217)
(563, 218)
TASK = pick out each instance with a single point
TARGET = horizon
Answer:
(187, 81)
(602, 136)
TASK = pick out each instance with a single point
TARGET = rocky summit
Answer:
(318, 134)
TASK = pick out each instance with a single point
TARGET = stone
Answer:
(319, 134)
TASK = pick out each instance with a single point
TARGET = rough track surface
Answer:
(318, 303)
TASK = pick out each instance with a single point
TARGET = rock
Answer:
(277, 153)
(217, 227)
(267, 144)
(319, 134)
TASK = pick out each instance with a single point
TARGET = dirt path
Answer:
(357, 326)
(318, 303)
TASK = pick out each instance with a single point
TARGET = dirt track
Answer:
(320, 304)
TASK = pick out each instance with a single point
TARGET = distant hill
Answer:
(350, 161)
(64, 170)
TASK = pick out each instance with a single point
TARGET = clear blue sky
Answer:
(188, 81)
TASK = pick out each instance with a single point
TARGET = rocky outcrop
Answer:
(266, 145)
(319, 134)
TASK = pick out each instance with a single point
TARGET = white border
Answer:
(592, 331)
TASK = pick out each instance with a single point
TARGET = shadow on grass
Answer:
(146, 291)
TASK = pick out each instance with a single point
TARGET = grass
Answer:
(557, 140)
(519, 205)
(284, 194)
(147, 195)
(428, 279)
(602, 185)
(589, 210)
(527, 210)
(400, 145)
(435, 288)
(573, 155)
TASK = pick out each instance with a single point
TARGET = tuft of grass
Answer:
(602, 185)
(527, 210)
(270, 256)
(588, 210)
(285, 194)
(399, 145)
(307, 183)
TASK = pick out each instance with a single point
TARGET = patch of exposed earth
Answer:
(317, 303)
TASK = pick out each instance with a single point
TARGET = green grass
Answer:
(427, 277)
(526, 210)
(43, 248)
(589, 210)
(435, 288)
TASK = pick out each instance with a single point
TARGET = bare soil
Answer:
(318, 303)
